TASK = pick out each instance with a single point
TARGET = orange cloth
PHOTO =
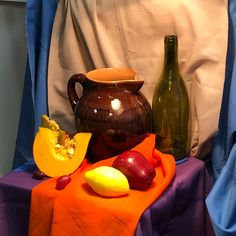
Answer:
(77, 210)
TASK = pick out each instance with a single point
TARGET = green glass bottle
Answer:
(170, 105)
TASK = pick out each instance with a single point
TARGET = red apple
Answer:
(136, 168)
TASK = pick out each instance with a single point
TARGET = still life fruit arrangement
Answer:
(58, 155)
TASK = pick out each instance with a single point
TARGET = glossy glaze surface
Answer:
(117, 114)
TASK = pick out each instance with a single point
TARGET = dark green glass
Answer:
(170, 105)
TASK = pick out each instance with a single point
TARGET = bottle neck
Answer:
(171, 52)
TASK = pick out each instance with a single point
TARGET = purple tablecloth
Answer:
(180, 210)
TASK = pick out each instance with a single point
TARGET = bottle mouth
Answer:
(171, 39)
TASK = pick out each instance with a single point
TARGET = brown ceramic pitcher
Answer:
(112, 108)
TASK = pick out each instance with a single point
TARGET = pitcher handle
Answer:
(72, 94)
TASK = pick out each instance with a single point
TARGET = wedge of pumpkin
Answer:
(55, 153)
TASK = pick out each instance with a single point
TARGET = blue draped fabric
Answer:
(39, 20)
(221, 202)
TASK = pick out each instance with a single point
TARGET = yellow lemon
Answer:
(107, 181)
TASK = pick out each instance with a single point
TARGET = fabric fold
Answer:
(78, 210)
(223, 194)
(39, 23)
(94, 34)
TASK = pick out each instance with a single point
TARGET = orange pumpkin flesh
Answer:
(56, 154)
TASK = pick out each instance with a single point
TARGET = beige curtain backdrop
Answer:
(90, 34)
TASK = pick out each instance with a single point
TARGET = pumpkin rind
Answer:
(46, 158)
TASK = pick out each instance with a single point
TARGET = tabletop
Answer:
(180, 210)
